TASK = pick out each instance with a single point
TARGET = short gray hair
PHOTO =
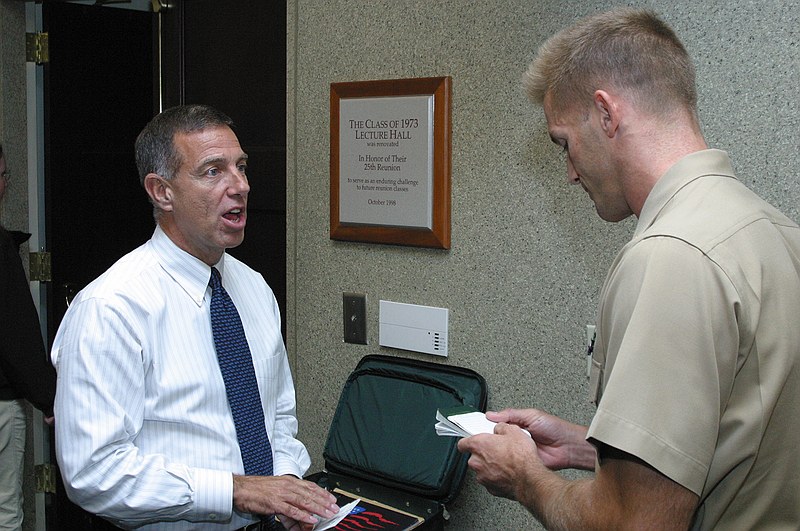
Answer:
(155, 147)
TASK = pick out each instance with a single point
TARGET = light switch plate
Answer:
(354, 315)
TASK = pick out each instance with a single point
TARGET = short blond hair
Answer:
(628, 49)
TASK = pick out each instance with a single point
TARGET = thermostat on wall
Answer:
(413, 327)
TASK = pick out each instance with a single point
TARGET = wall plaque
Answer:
(390, 162)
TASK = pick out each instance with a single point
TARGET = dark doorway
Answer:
(232, 55)
(101, 88)
(98, 94)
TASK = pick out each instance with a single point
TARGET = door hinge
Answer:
(45, 478)
(161, 5)
(37, 48)
(41, 267)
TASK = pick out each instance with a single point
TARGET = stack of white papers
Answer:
(462, 422)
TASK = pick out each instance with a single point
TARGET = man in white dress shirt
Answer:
(145, 437)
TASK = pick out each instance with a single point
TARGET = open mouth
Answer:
(234, 215)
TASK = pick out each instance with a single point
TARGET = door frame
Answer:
(40, 435)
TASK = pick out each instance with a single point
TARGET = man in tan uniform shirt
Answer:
(696, 369)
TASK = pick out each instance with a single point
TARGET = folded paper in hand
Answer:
(322, 525)
(462, 421)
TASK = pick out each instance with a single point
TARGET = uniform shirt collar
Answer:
(689, 168)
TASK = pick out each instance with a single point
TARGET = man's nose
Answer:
(572, 175)
(240, 183)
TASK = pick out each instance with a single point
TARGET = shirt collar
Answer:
(189, 272)
(686, 170)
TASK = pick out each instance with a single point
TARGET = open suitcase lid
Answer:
(383, 428)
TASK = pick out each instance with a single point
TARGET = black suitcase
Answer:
(382, 446)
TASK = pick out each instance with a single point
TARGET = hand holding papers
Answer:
(462, 421)
(322, 525)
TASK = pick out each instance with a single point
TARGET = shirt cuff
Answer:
(213, 500)
(287, 468)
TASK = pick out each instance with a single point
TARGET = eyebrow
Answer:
(216, 160)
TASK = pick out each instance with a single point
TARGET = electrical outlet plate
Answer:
(354, 316)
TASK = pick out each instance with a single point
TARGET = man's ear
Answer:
(608, 108)
(159, 191)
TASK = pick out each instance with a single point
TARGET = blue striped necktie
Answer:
(241, 386)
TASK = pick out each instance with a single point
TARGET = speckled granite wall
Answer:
(528, 252)
(12, 112)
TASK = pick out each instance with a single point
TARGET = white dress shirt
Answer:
(144, 432)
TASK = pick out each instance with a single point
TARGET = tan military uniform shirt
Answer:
(696, 368)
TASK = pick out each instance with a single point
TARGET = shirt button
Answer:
(212, 516)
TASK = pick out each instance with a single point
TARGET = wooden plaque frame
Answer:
(438, 236)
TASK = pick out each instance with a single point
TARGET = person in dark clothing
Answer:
(25, 373)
